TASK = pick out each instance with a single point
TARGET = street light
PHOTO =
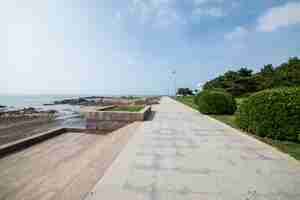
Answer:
(174, 74)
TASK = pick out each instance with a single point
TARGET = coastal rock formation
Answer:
(87, 101)
(105, 101)
(78, 101)
(25, 114)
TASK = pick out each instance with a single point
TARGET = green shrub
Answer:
(272, 113)
(215, 102)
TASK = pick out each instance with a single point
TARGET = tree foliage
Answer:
(184, 91)
(215, 102)
(243, 81)
(272, 113)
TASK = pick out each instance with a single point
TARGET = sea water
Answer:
(68, 114)
(31, 100)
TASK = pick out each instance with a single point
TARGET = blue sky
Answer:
(131, 47)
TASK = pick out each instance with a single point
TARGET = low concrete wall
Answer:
(102, 119)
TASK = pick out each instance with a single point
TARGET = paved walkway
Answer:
(182, 154)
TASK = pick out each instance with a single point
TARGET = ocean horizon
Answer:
(33, 100)
(22, 100)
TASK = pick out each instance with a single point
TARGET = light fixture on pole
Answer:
(174, 74)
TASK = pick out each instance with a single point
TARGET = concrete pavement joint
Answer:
(153, 191)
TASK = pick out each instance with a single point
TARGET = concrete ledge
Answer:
(105, 115)
(103, 119)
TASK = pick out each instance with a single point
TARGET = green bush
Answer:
(215, 102)
(272, 113)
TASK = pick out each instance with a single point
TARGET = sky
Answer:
(132, 46)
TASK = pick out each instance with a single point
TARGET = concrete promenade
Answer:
(182, 154)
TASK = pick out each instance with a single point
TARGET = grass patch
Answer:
(239, 101)
(187, 100)
(127, 109)
(227, 119)
(131, 97)
(291, 148)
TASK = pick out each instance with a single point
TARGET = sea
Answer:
(69, 115)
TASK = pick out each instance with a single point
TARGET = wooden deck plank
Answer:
(43, 155)
(10, 160)
(64, 167)
(31, 170)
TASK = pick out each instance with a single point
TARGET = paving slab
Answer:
(182, 154)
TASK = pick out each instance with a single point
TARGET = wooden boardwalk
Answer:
(65, 167)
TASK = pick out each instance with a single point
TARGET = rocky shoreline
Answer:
(25, 114)
(20, 130)
(21, 123)
(104, 101)
(90, 100)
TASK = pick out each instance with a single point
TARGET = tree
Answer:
(244, 72)
(231, 76)
(288, 74)
(243, 86)
(184, 91)
(218, 82)
(243, 81)
(267, 70)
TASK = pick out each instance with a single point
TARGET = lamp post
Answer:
(174, 74)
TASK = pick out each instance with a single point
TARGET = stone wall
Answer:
(111, 120)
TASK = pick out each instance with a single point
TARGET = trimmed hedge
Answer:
(272, 113)
(215, 102)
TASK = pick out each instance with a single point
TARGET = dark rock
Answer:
(52, 111)
(78, 101)
(92, 97)
(29, 110)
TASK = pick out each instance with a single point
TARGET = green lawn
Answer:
(127, 109)
(131, 97)
(239, 101)
(187, 100)
(227, 119)
(291, 148)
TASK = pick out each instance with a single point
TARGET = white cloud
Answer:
(167, 13)
(213, 12)
(159, 13)
(200, 2)
(158, 3)
(281, 16)
(237, 34)
(142, 9)
(167, 17)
